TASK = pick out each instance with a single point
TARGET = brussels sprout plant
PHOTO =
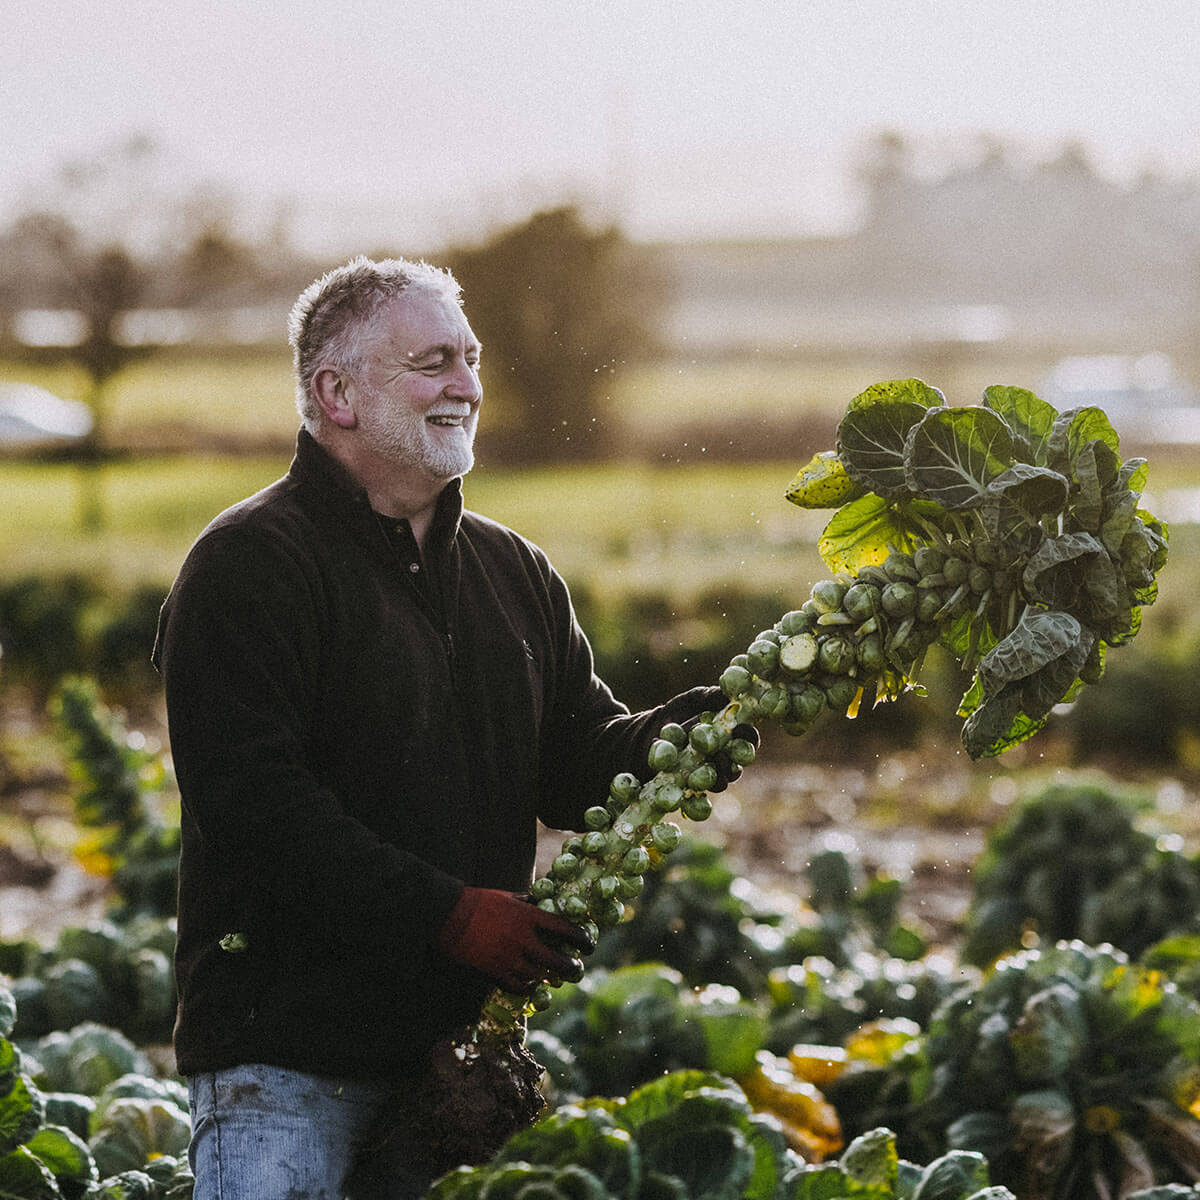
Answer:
(1007, 532)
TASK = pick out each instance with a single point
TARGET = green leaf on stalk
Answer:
(822, 483)
(952, 455)
(1059, 568)
(871, 440)
(998, 724)
(1017, 499)
(1134, 474)
(1030, 419)
(862, 532)
(1040, 638)
(1077, 427)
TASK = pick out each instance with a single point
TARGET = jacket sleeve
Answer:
(239, 650)
(589, 736)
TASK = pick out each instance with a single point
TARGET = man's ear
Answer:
(330, 389)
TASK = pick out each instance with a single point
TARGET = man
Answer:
(373, 696)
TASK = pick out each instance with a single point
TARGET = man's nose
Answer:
(464, 384)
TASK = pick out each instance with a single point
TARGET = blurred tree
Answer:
(559, 308)
(108, 241)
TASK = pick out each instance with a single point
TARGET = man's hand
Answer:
(507, 937)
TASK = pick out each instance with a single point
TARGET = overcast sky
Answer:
(421, 121)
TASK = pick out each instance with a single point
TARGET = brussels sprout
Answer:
(663, 755)
(697, 807)
(636, 861)
(928, 604)
(624, 786)
(703, 777)
(836, 655)
(565, 866)
(827, 595)
(935, 579)
(549, 905)
(594, 843)
(899, 599)
(675, 733)
(630, 887)
(608, 913)
(870, 654)
(734, 681)
(543, 888)
(597, 817)
(704, 738)
(928, 559)
(773, 702)
(741, 752)
(861, 601)
(840, 694)
(807, 704)
(573, 844)
(956, 571)
(901, 568)
(542, 997)
(796, 621)
(574, 908)
(605, 888)
(665, 836)
(979, 579)
(667, 798)
(763, 658)
(798, 653)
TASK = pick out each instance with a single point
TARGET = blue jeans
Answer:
(267, 1133)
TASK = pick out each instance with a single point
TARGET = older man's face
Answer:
(419, 394)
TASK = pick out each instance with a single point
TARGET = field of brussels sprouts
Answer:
(912, 978)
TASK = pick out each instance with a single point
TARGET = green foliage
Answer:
(102, 972)
(1076, 1070)
(85, 1059)
(120, 794)
(1071, 862)
(618, 1029)
(1057, 557)
(687, 1134)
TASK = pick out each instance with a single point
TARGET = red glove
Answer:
(505, 936)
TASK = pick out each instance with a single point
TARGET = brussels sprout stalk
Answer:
(1008, 534)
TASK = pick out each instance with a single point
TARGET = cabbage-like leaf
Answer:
(871, 441)
(1058, 681)
(1057, 571)
(700, 1144)
(1043, 1130)
(135, 1130)
(733, 1034)
(21, 1112)
(822, 483)
(953, 1176)
(65, 1154)
(23, 1176)
(1040, 638)
(998, 724)
(871, 1160)
(860, 533)
(1018, 498)
(1133, 474)
(1029, 417)
(8, 1011)
(586, 1137)
(952, 455)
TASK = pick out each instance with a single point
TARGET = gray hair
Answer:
(333, 318)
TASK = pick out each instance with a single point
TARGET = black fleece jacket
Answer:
(358, 730)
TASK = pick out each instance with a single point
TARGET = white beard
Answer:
(407, 440)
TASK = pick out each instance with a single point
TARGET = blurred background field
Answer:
(672, 325)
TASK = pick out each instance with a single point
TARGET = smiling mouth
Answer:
(444, 419)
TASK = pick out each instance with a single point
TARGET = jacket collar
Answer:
(313, 466)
